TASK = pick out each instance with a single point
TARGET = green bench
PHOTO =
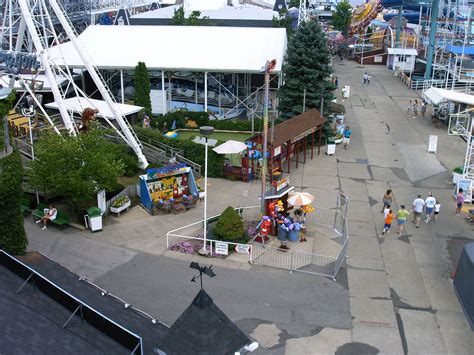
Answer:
(25, 205)
(62, 218)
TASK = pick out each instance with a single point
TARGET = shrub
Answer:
(12, 231)
(458, 170)
(181, 117)
(128, 158)
(229, 227)
(142, 87)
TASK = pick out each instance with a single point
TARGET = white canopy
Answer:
(437, 95)
(78, 104)
(230, 147)
(179, 48)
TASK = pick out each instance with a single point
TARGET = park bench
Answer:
(62, 218)
(25, 205)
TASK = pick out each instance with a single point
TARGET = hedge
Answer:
(12, 231)
(192, 151)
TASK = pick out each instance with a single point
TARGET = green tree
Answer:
(5, 106)
(75, 167)
(12, 231)
(341, 18)
(142, 87)
(283, 21)
(194, 19)
(229, 227)
(306, 69)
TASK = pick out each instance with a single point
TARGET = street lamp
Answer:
(205, 131)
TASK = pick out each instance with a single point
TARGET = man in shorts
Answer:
(346, 137)
(402, 216)
(429, 206)
(459, 201)
(418, 205)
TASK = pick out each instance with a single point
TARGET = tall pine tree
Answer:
(142, 87)
(307, 67)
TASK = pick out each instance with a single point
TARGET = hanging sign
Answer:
(283, 183)
(222, 248)
(302, 135)
(432, 144)
(277, 151)
(242, 249)
(16, 61)
(378, 59)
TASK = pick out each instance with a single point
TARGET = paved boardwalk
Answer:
(395, 296)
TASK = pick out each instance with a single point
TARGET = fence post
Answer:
(167, 242)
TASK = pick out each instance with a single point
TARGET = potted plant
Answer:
(457, 174)
(120, 204)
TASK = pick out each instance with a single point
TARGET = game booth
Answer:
(168, 189)
(286, 140)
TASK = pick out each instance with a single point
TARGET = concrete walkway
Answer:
(394, 297)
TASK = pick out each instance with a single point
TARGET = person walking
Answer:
(402, 216)
(387, 222)
(415, 108)
(410, 108)
(429, 207)
(346, 137)
(368, 78)
(437, 208)
(459, 201)
(418, 205)
(364, 78)
(336, 82)
(387, 200)
(424, 106)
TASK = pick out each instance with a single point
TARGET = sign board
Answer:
(222, 248)
(242, 249)
(378, 59)
(432, 144)
(277, 151)
(101, 202)
(16, 61)
(283, 183)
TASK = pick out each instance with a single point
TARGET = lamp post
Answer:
(205, 131)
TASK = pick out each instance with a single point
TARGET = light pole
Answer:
(205, 131)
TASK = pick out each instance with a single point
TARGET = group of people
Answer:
(430, 205)
(415, 107)
(366, 79)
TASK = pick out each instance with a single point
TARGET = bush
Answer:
(181, 117)
(12, 231)
(191, 151)
(229, 227)
(458, 170)
(128, 158)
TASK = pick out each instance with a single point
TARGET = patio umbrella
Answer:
(300, 198)
(230, 147)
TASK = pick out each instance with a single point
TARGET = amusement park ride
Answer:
(29, 29)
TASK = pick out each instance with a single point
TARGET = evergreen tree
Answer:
(341, 18)
(179, 18)
(142, 87)
(307, 67)
(12, 231)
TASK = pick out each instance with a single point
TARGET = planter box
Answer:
(117, 210)
(456, 177)
(337, 141)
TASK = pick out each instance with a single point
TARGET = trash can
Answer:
(94, 218)
(331, 146)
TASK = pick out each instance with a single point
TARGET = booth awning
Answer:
(437, 96)
(177, 48)
(78, 104)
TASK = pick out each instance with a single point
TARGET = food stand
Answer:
(167, 189)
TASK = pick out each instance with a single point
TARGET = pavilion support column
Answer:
(163, 93)
(237, 90)
(219, 95)
(312, 145)
(195, 91)
(288, 155)
(305, 146)
(205, 91)
(297, 151)
(121, 86)
(169, 89)
(83, 80)
(319, 140)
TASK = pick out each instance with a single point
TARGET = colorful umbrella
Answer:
(300, 198)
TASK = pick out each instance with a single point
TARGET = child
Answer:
(402, 216)
(437, 207)
(388, 222)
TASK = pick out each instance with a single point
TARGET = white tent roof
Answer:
(78, 104)
(242, 12)
(402, 51)
(200, 48)
(46, 86)
(436, 95)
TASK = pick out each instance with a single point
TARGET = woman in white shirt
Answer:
(49, 215)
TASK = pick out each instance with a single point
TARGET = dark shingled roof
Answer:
(204, 329)
(285, 131)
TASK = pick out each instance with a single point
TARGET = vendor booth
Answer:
(168, 189)
(285, 141)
